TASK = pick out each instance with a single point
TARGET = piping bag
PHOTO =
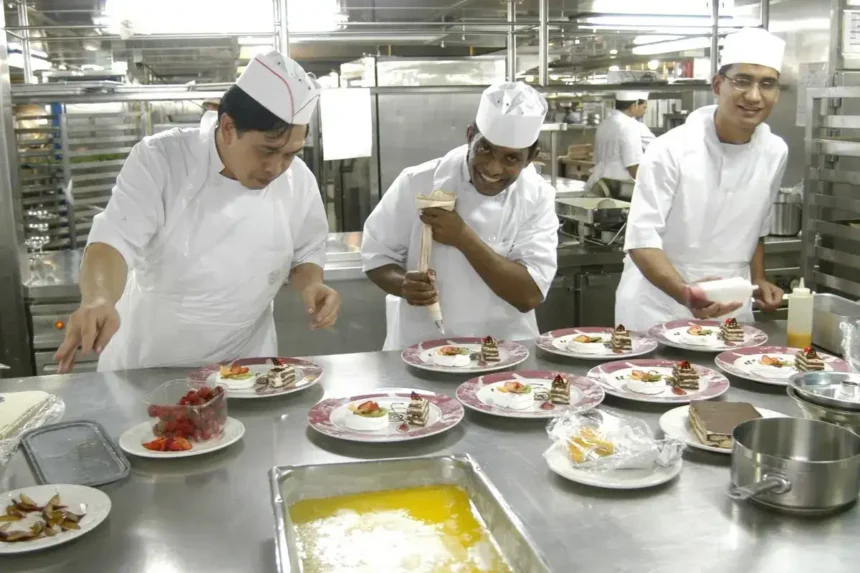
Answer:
(442, 200)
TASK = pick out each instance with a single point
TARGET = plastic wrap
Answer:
(851, 343)
(600, 441)
(50, 412)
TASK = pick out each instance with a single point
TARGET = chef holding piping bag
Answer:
(704, 193)
(203, 228)
(618, 142)
(494, 255)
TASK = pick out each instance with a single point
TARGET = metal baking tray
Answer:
(78, 453)
(829, 310)
(291, 484)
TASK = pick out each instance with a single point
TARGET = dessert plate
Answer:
(131, 441)
(676, 424)
(328, 416)
(479, 393)
(96, 507)
(561, 342)
(307, 374)
(746, 363)
(558, 462)
(614, 378)
(426, 356)
(675, 334)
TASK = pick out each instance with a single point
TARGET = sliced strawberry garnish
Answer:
(367, 407)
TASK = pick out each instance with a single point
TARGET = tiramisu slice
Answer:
(808, 360)
(560, 391)
(418, 411)
(713, 422)
(621, 341)
(685, 376)
(490, 350)
(280, 377)
(731, 331)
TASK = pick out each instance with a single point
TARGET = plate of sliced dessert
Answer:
(465, 355)
(708, 425)
(386, 415)
(707, 335)
(659, 381)
(44, 516)
(596, 343)
(776, 364)
(251, 378)
(530, 394)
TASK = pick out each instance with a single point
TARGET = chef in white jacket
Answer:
(494, 257)
(203, 228)
(618, 142)
(704, 195)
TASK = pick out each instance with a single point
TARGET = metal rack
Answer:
(831, 215)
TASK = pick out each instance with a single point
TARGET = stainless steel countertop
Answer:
(211, 514)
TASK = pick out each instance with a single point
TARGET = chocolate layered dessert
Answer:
(713, 422)
(621, 341)
(808, 360)
(490, 350)
(280, 377)
(418, 411)
(685, 376)
(560, 391)
(731, 331)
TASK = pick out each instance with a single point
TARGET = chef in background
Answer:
(494, 257)
(645, 132)
(704, 194)
(203, 228)
(618, 142)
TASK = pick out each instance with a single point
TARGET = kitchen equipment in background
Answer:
(593, 218)
(594, 298)
(838, 390)
(848, 419)
(801, 305)
(787, 212)
(829, 310)
(795, 465)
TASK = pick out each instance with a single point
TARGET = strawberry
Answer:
(367, 407)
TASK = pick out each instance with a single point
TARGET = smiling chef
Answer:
(203, 228)
(704, 194)
(495, 255)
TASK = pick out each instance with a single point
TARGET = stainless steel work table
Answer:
(211, 513)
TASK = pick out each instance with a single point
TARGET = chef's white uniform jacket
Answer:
(617, 146)
(519, 224)
(206, 256)
(646, 134)
(705, 204)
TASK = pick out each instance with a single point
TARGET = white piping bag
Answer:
(441, 200)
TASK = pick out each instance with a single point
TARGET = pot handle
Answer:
(773, 483)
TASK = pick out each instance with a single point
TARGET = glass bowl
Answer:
(186, 409)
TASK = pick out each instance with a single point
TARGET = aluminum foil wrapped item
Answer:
(39, 409)
(600, 441)
(851, 343)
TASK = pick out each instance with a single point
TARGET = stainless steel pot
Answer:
(796, 465)
(786, 219)
(849, 419)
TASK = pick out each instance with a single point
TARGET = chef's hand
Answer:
(323, 304)
(448, 227)
(694, 298)
(90, 327)
(768, 296)
(419, 289)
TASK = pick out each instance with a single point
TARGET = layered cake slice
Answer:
(808, 360)
(621, 341)
(685, 376)
(560, 391)
(280, 377)
(713, 422)
(731, 331)
(490, 350)
(418, 411)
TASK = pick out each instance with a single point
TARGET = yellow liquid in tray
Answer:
(428, 529)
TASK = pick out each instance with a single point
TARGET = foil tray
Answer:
(291, 484)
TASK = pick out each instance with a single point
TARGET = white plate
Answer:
(613, 479)
(676, 424)
(131, 441)
(558, 341)
(307, 375)
(97, 503)
(614, 376)
(422, 355)
(745, 363)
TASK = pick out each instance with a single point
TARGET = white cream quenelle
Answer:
(703, 202)
(518, 224)
(206, 255)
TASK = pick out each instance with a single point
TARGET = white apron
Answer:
(711, 221)
(204, 291)
(469, 307)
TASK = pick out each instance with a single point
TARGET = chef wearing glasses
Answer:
(704, 194)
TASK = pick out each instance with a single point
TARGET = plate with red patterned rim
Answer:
(330, 416)
(482, 394)
(427, 356)
(616, 378)
(562, 342)
(680, 334)
(307, 375)
(750, 363)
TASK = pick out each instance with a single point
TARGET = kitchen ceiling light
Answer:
(674, 46)
(667, 7)
(653, 65)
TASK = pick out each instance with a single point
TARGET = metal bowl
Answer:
(839, 390)
(848, 419)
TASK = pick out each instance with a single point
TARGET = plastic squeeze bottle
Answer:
(800, 308)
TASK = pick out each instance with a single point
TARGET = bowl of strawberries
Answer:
(185, 412)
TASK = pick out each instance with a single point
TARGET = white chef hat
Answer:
(511, 115)
(753, 46)
(630, 96)
(282, 87)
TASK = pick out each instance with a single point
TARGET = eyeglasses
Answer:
(766, 86)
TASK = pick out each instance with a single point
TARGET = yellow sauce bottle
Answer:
(800, 309)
